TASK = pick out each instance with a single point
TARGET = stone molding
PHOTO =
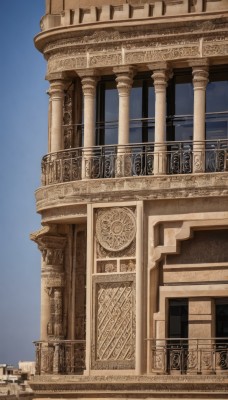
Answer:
(63, 195)
(184, 232)
(195, 40)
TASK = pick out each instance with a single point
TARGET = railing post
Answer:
(56, 360)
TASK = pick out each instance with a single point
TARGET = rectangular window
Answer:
(221, 310)
(178, 319)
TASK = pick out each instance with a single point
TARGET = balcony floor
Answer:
(129, 387)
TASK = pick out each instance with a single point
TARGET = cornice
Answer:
(161, 26)
(59, 201)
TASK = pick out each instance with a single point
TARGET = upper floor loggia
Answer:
(159, 121)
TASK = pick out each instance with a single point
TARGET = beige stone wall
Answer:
(166, 7)
(56, 6)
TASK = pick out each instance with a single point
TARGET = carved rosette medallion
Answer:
(115, 228)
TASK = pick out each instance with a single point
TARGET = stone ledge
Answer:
(183, 386)
(131, 189)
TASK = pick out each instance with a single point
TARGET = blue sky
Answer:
(23, 133)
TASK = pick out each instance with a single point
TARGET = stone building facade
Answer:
(133, 199)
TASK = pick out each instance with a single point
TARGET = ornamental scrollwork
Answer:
(115, 228)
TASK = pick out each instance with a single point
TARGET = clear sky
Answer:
(23, 131)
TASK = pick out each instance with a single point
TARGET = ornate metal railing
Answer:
(135, 160)
(189, 356)
(60, 357)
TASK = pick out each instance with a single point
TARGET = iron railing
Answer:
(60, 357)
(135, 160)
(168, 356)
(189, 356)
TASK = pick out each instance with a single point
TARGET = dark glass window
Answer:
(178, 318)
(142, 108)
(217, 104)
(221, 310)
(180, 103)
(107, 112)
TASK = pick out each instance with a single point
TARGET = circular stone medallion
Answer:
(115, 228)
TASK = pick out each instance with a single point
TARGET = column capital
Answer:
(56, 76)
(199, 62)
(51, 244)
(124, 79)
(89, 83)
(56, 88)
(159, 66)
(87, 73)
(160, 78)
(200, 77)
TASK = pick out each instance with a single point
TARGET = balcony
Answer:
(189, 356)
(143, 159)
(167, 356)
(60, 357)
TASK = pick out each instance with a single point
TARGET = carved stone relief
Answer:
(52, 245)
(193, 39)
(80, 286)
(114, 324)
(115, 228)
(128, 252)
(68, 119)
(107, 266)
(128, 265)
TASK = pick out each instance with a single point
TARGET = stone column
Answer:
(124, 81)
(52, 278)
(56, 92)
(51, 246)
(200, 80)
(89, 81)
(160, 77)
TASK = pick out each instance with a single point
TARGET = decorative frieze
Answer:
(191, 41)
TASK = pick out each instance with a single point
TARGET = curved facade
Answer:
(133, 199)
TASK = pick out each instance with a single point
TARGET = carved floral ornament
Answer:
(106, 48)
(115, 228)
(51, 245)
